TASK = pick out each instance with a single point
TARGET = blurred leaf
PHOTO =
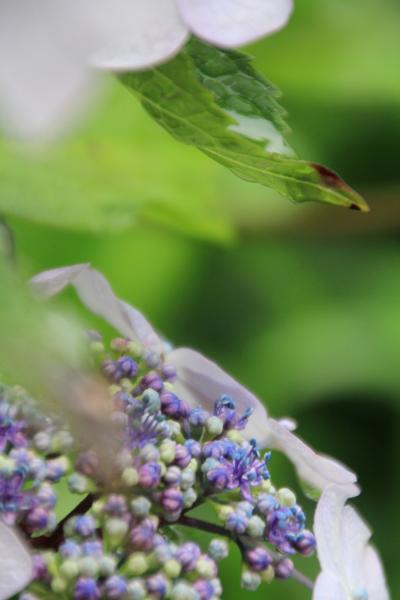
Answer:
(213, 99)
(103, 181)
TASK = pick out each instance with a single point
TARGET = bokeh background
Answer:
(302, 304)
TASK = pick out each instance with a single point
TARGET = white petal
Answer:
(15, 563)
(374, 577)
(355, 536)
(328, 529)
(316, 470)
(230, 23)
(328, 587)
(201, 382)
(98, 296)
(137, 33)
(44, 75)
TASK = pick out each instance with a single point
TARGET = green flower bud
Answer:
(58, 585)
(268, 574)
(137, 564)
(70, 568)
(88, 566)
(286, 497)
(250, 580)
(214, 426)
(130, 476)
(172, 568)
(205, 568)
(167, 451)
(140, 506)
(255, 527)
(107, 565)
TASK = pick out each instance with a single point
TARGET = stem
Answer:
(218, 530)
(57, 536)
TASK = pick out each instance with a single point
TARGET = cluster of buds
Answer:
(118, 541)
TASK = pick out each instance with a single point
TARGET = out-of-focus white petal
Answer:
(314, 469)
(137, 34)
(375, 580)
(98, 296)
(230, 23)
(15, 563)
(327, 587)
(201, 382)
(347, 561)
(44, 75)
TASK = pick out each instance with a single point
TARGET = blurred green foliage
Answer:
(304, 307)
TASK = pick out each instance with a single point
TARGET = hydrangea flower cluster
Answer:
(118, 540)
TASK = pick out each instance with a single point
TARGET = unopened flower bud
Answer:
(214, 426)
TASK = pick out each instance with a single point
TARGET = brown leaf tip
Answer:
(329, 177)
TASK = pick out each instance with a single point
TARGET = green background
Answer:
(301, 303)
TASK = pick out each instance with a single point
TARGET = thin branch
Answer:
(218, 530)
(57, 536)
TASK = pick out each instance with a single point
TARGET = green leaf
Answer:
(213, 99)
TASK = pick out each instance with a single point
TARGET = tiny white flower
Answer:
(16, 569)
(351, 567)
(199, 380)
(47, 47)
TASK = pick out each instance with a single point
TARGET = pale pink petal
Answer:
(230, 23)
(374, 576)
(328, 587)
(98, 296)
(201, 382)
(314, 469)
(136, 34)
(16, 569)
(44, 75)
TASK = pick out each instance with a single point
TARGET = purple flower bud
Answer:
(93, 548)
(149, 475)
(115, 587)
(198, 417)
(168, 372)
(47, 496)
(142, 536)
(115, 505)
(194, 448)
(173, 475)
(87, 463)
(172, 500)
(188, 554)
(127, 366)
(152, 380)
(305, 543)
(182, 456)
(284, 568)
(204, 589)
(70, 549)
(218, 477)
(84, 525)
(258, 558)
(157, 586)
(110, 369)
(86, 589)
(237, 522)
(37, 518)
(170, 404)
(39, 567)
